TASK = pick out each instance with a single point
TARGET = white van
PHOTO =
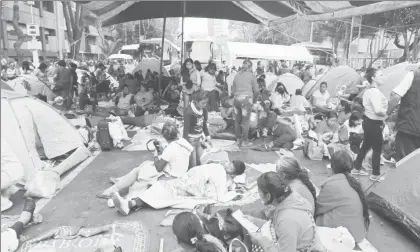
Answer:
(126, 60)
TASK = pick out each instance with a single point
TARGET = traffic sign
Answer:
(33, 30)
(30, 2)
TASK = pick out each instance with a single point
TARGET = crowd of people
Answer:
(293, 209)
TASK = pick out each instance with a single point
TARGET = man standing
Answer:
(245, 90)
(63, 83)
(407, 94)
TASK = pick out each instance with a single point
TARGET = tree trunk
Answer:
(75, 27)
(416, 44)
(21, 36)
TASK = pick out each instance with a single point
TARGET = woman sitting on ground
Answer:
(195, 125)
(283, 134)
(340, 139)
(143, 99)
(355, 130)
(297, 178)
(279, 97)
(298, 101)
(291, 227)
(341, 201)
(172, 161)
(325, 130)
(188, 229)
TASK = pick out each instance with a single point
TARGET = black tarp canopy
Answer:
(115, 12)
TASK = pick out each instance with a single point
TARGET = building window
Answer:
(48, 33)
(48, 6)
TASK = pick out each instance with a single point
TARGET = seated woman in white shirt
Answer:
(320, 99)
(298, 101)
(171, 162)
(279, 97)
(208, 183)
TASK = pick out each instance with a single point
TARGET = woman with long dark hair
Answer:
(188, 229)
(279, 97)
(190, 80)
(291, 227)
(297, 178)
(376, 105)
(195, 125)
(341, 201)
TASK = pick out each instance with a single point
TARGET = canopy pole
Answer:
(182, 32)
(161, 56)
(350, 40)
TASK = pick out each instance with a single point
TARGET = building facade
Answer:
(52, 29)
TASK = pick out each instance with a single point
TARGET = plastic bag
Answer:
(334, 239)
(43, 185)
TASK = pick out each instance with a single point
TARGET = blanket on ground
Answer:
(130, 236)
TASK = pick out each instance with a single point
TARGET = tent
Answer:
(397, 198)
(290, 81)
(152, 64)
(6, 86)
(394, 74)
(341, 80)
(31, 85)
(115, 12)
(33, 128)
(267, 51)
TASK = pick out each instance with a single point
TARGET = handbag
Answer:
(311, 149)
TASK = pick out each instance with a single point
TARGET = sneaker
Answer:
(328, 166)
(239, 143)
(121, 204)
(359, 173)
(377, 178)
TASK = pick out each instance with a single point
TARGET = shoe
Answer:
(29, 205)
(121, 204)
(239, 143)
(328, 166)
(247, 144)
(377, 178)
(359, 173)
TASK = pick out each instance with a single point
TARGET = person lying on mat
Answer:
(172, 162)
(10, 236)
(124, 102)
(211, 181)
(291, 226)
(341, 201)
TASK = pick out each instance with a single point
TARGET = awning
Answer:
(268, 51)
(114, 12)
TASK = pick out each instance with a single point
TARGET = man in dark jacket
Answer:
(407, 94)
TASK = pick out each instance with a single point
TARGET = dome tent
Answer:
(33, 128)
(340, 80)
(290, 81)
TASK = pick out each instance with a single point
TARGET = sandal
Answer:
(101, 195)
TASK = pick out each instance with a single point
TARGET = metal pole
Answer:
(125, 32)
(350, 38)
(161, 56)
(358, 38)
(312, 32)
(32, 14)
(139, 31)
(182, 31)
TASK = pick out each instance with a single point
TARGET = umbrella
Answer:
(290, 81)
(115, 12)
(340, 80)
(393, 75)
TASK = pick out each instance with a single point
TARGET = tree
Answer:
(21, 36)
(403, 25)
(109, 47)
(75, 23)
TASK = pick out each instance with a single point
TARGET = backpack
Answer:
(103, 137)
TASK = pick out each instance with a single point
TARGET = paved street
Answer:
(77, 204)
